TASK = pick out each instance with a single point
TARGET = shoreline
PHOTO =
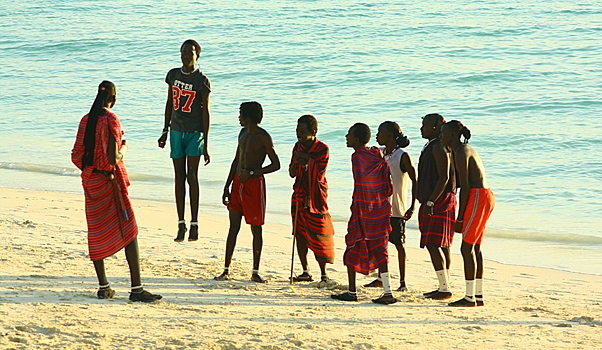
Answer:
(48, 285)
(509, 248)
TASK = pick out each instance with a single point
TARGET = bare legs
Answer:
(440, 256)
(302, 251)
(133, 258)
(235, 222)
(441, 259)
(186, 170)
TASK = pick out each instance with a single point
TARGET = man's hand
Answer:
(301, 158)
(206, 155)
(428, 210)
(226, 197)
(161, 140)
(458, 226)
(408, 214)
(244, 176)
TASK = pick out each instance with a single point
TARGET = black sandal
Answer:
(304, 277)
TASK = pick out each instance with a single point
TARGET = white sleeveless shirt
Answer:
(400, 182)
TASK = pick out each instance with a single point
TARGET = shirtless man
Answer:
(476, 204)
(247, 197)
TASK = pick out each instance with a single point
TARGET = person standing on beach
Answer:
(311, 220)
(98, 152)
(402, 168)
(187, 114)
(476, 204)
(369, 226)
(436, 193)
(248, 196)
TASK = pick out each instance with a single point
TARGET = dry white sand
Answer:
(48, 286)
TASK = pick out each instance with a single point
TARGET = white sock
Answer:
(306, 271)
(443, 281)
(194, 223)
(226, 269)
(386, 282)
(470, 289)
(479, 287)
(256, 272)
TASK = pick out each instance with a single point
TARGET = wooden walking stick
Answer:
(294, 236)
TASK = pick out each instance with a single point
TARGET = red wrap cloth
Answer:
(104, 231)
(310, 190)
(369, 226)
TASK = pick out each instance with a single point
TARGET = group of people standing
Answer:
(379, 208)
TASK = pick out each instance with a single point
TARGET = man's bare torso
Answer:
(251, 149)
(476, 171)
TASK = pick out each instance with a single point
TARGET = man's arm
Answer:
(266, 139)
(167, 120)
(206, 124)
(461, 159)
(233, 167)
(442, 164)
(115, 154)
(406, 160)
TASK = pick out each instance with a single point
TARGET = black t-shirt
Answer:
(187, 93)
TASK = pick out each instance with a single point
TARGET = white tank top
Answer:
(400, 182)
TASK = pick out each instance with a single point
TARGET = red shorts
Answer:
(480, 205)
(249, 197)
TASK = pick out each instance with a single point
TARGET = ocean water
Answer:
(525, 77)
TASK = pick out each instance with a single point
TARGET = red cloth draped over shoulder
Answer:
(104, 230)
(310, 190)
(369, 226)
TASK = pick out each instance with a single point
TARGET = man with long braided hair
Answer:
(98, 152)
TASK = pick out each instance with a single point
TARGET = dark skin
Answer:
(354, 142)
(186, 168)
(471, 174)
(254, 144)
(430, 130)
(131, 250)
(307, 138)
(386, 138)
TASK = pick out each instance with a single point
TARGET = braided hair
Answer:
(106, 89)
(460, 129)
(392, 127)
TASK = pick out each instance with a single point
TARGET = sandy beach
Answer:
(48, 286)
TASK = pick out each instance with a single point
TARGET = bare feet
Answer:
(256, 278)
(402, 287)
(374, 284)
(225, 276)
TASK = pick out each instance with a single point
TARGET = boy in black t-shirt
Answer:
(187, 114)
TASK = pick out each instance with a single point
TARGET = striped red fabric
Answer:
(369, 226)
(310, 190)
(438, 229)
(104, 231)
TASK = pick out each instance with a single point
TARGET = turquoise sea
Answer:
(525, 77)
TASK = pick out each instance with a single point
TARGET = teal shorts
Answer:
(186, 144)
